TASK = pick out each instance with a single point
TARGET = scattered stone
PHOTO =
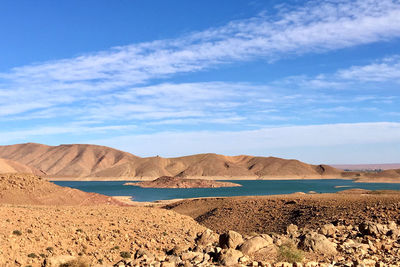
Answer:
(328, 230)
(254, 244)
(58, 260)
(229, 257)
(207, 238)
(318, 243)
(230, 239)
(373, 229)
(292, 230)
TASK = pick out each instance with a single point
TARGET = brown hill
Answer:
(218, 166)
(382, 166)
(66, 160)
(29, 189)
(78, 161)
(10, 166)
(385, 174)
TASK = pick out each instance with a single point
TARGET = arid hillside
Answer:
(78, 161)
(66, 160)
(28, 189)
(386, 166)
(10, 166)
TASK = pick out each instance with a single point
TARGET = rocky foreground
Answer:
(143, 236)
(176, 182)
(99, 236)
(367, 244)
(42, 224)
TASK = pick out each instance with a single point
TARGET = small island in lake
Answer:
(175, 182)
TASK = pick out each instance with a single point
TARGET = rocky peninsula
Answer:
(176, 182)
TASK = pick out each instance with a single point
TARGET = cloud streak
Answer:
(258, 141)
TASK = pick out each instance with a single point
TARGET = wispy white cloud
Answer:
(72, 128)
(316, 27)
(387, 69)
(258, 141)
(378, 74)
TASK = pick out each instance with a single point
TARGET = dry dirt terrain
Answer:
(175, 182)
(40, 220)
(34, 190)
(74, 228)
(265, 214)
(29, 234)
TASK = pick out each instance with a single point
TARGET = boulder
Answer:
(168, 264)
(229, 257)
(191, 256)
(256, 243)
(318, 243)
(230, 239)
(58, 260)
(373, 229)
(328, 230)
(207, 238)
(292, 230)
(144, 253)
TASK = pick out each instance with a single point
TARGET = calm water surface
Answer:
(248, 188)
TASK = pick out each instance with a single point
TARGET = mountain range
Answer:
(80, 161)
(86, 162)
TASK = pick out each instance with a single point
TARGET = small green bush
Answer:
(75, 263)
(17, 232)
(50, 249)
(288, 252)
(32, 255)
(125, 254)
(115, 248)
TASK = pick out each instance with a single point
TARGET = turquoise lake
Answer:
(248, 188)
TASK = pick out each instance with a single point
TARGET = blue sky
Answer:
(314, 80)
